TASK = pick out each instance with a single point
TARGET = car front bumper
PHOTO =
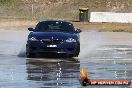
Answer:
(64, 48)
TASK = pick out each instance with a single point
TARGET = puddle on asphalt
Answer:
(101, 61)
(54, 73)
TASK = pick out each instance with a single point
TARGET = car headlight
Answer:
(33, 39)
(71, 40)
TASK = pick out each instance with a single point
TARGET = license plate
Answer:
(51, 45)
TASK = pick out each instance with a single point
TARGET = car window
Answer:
(54, 26)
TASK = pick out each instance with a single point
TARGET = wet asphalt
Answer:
(104, 55)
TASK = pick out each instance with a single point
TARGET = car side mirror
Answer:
(30, 29)
(78, 30)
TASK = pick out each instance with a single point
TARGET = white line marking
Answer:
(115, 59)
(105, 48)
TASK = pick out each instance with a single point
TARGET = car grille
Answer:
(49, 41)
(52, 49)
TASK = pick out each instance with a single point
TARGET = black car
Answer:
(53, 36)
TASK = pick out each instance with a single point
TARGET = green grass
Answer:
(118, 30)
(4, 1)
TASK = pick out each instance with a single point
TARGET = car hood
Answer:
(55, 35)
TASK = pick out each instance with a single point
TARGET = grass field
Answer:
(25, 13)
(58, 9)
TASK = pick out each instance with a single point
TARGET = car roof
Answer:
(56, 21)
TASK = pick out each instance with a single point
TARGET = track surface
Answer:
(105, 55)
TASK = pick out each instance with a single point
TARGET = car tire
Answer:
(70, 56)
(30, 55)
(77, 51)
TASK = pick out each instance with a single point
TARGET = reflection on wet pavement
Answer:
(102, 62)
(54, 73)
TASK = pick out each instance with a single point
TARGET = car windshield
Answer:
(54, 26)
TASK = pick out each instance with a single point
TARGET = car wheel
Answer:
(30, 55)
(70, 56)
(77, 51)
